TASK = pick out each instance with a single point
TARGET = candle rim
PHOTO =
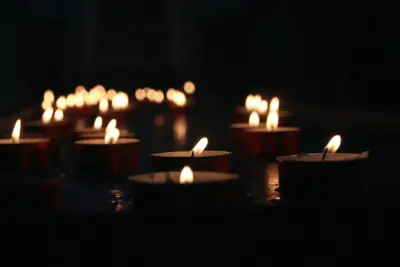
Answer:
(24, 141)
(146, 178)
(100, 141)
(280, 129)
(188, 154)
(244, 125)
(296, 158)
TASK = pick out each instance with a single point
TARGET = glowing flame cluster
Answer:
(50, 114)
(120, 101)
(334, 144)
(189, 88)
(178, 98)
(155, 96)
(200, 146)
(186, 176)
(256, 103)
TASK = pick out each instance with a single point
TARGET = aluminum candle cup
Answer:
(198, 159)
(166, 190)
(306, 178)
(100, 157)
(272, 140)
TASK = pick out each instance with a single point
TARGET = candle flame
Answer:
(111, 125)
(189, 87)
(111, 136)
(262, 106)
(79, 99)
(103, 105)
(186, 176)
(46, 104)
(48, 96)
(16, 131)
(254, 119)
(200, 146)
(179, 98)
(58, 115)
(170, 94)
(61, 102)
(71, 100)
(272, 120)
(274, 105)
(250, 102)
(47, 115)
(159, 97)
(80, 89)
(120, 101)
(111, 93)
(140, 94)
(98, 122)
(334, 144)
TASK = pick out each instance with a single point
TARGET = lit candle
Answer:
(97, 131)
(52, 125)
(262, 107)
(120, 107)
(110, 155)
(186, 189)
(199, 158)
(189, 88)
(238, 130)
(272, 140)
(23, 154)
(323, 176)
(177, 101)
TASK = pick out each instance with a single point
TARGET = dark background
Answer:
(334, 53)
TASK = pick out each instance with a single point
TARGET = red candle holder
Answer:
(238, 134)
(27, 154)
(119, 115)
(99, 134)
(307, 178)
(96, 157)
(55, 130)
(272, 143)
(208, 160)
(84, 111)
(209, 190)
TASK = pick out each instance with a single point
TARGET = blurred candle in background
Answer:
(180, 131)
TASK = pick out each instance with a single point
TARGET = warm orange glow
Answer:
(200, 146)
(179, 99)
(151, 95)
(101, 91)
(58, 115)
(111, 125)
(61, 103)
(262, 107)
(47, 115)
(120, 101)
(274, 105)
(111, 93)
(79, 100)
(48, 96)
(254, 119)
(249, 104)
(170, 94)
(140, 94)
(180, 131)
(159, 97)
(186, 176)
(272, 120)
(189, 87)
(103, 105)
(80, 89)
(98, 122)
(71, 100)
(111, 136)
(93, 97)
(334, 144)
(46, 104)
(16, 131)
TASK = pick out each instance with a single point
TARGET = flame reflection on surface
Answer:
(271, 182)
(180, 131)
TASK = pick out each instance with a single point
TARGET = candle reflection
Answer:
(159, 120)
(180, 131)
(271, 182)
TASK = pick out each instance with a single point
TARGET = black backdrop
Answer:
(338, 53)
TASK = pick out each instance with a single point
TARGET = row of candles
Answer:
(113, 153)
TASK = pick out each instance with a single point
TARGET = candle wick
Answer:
(192, 153)
(324, 153)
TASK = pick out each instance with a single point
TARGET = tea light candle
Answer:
(198, 158)
(323, 176)
(178, 101)
(52, 125)
(185, 189)
(110, 155)
(262, 107)
(272, 140)
(23, 154)
(238, 130)
(98, 132)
